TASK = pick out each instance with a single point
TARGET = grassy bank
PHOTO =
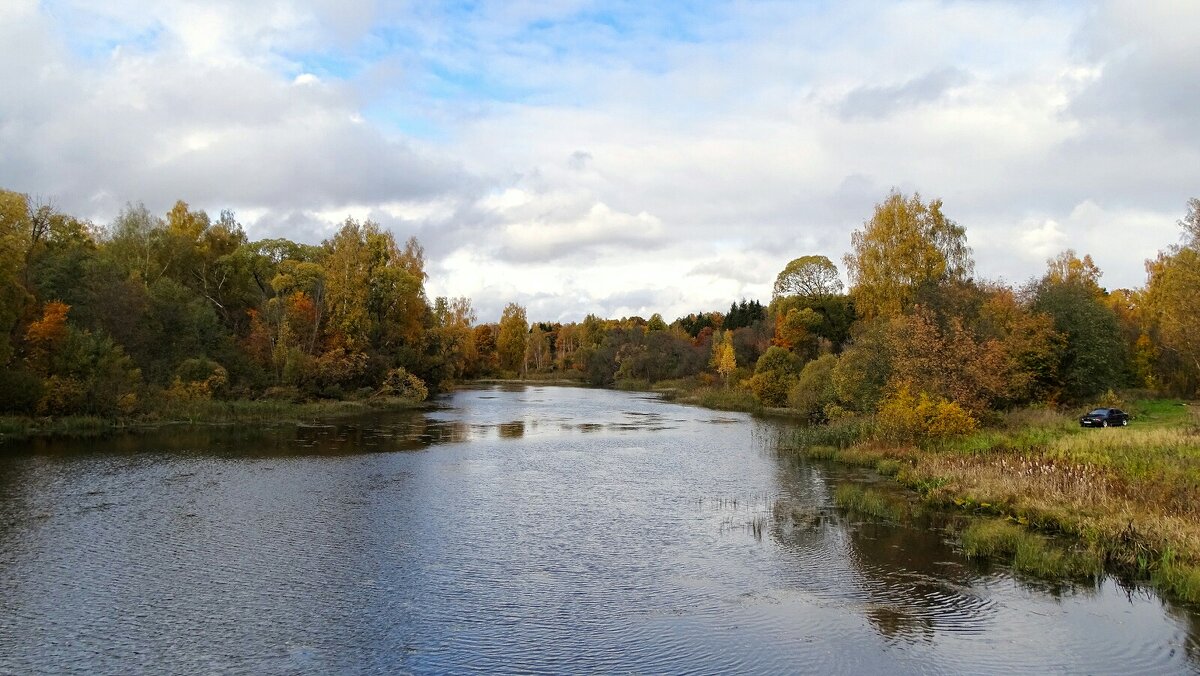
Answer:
(695, 392)
(1126, 497)
(202, 411)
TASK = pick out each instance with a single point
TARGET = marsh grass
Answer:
(14, 428)
(872, 503)
(1028, 552)
(840, 434)
(722, 398)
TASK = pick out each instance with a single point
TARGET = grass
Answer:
(1126, 496)
(1029, 552)
(871, 503)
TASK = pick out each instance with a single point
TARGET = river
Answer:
(514, 529)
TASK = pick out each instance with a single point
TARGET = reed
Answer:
(1028, 552)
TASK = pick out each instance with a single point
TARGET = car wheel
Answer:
(1104, 423)
(1124, 422)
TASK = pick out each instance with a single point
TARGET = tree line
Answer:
(152, 309)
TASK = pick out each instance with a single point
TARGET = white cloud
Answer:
(1042, 240)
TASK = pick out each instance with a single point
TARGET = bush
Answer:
(20, 390)
(285, 393)
(771, 387)
(908, 418)
(61, 395)
(198, 378)
(774, 374)
(400, 383)
(813, 393)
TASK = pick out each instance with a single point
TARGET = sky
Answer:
(617, 158)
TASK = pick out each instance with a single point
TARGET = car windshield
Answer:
(1099, 411)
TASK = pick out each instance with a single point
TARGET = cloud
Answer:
(1149, 61)
(874, 102)
(1043, 240)
(217, 132)
(617, 158)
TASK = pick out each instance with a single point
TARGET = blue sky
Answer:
(617, 157)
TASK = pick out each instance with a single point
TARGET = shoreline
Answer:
(17, 428)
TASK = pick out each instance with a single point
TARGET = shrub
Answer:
(774, 374)
(400, 383)
(771, 387)
(61, 395)
(813, 391)
(908, 418)
(20, 390)
(198, 378)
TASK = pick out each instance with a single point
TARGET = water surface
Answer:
(514, 529)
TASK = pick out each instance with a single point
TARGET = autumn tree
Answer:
(950, 364)
(538, 355)
(511, 339)
(724, 356)
(1173, 302)
(907, 245)
(774, 375)
(15, 224)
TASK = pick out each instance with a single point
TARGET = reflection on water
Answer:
(531, 529)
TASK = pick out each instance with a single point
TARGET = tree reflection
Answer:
(512, 430)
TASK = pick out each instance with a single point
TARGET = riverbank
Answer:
(1128, 497)
(198, 412)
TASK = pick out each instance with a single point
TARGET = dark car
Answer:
(1105, 417)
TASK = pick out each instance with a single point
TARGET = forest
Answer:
(126, 318)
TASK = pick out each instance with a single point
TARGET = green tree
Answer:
(1094, 356)
(813, 392)
(774, 374)
(810, 276)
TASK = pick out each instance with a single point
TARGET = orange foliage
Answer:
(47, 333)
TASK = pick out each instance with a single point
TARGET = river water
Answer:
(514, 529)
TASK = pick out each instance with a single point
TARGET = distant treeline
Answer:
(150, 309)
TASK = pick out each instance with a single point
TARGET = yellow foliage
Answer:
(905, 417)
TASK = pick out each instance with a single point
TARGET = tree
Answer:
(1173, 302)
(906, 246)
(16, 225)
(950, 364)
(537, 350)
(813, 391)
(724, 357)
(511, 339)
(1191, 225)
(774, 374)
(1094, 356)
(812, 276)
